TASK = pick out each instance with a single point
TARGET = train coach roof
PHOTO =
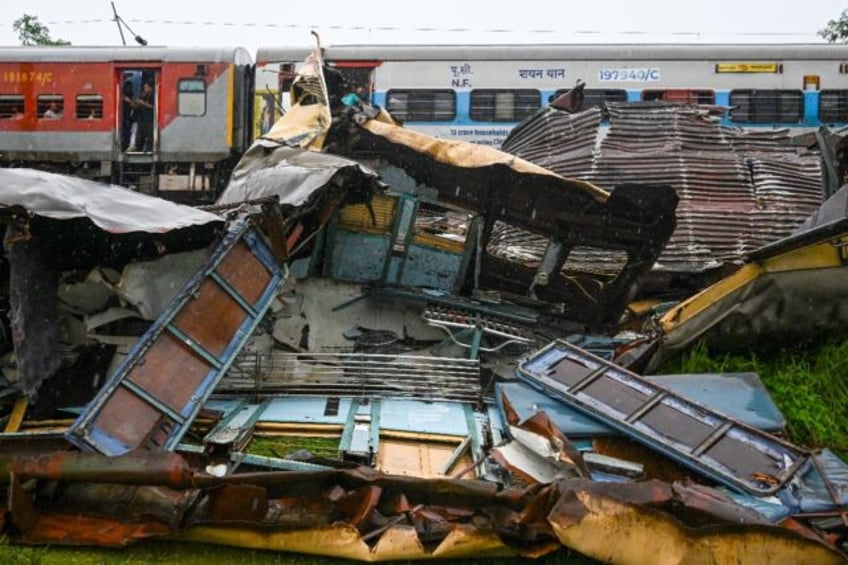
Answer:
(541, 52)
(237, 55)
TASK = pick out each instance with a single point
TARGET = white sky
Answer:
(251, 23)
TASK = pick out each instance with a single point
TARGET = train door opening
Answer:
(137, 122)
(136, 128)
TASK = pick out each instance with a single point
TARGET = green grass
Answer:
(808, 383)
(282, 446)
(203, 554)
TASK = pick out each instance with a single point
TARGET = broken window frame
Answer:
(489, 104)
(421, 104)
(754, 106)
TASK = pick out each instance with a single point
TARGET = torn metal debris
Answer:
(788, 290)
(152, 398)
(738, 189)
(571, 216)
(439, 518)
(46, 216)
(716, 445)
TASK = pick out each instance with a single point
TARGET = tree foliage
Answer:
(836, 31)
(32, 32)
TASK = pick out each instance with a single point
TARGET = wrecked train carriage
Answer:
(235, 286)
(57, 226)
(575, 219)
(790, 290)
(381, 516)
(495, 191)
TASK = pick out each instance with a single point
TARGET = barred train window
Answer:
(191, 97)
(11, 106)
(502, 105)
(681, 95)
(89, 107)
(833, 106)
(764, 106)
(595, 97)
(422, 105)
(55, 103)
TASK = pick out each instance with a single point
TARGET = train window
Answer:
(833, 106)
(358, 80)
(765, 106)
(422, 105)
(89, 107)
(502, 105)
(191, 97)
(11, 106)
(593, 97)
(683, 96)
(50, 106)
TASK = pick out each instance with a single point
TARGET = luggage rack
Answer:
(716, 445)
(473, 326)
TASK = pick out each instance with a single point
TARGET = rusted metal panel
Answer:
(151, 400)
(707, 441)
(356, 513)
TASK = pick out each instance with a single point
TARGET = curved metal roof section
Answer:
(108, 54)
(575, 52)
(111, 208)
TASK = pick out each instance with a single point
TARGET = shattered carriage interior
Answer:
(407, 347)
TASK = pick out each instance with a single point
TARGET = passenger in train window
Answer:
(53, 112)
(17, 114)
(144, 116)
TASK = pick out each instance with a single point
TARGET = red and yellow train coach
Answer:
(86, 111)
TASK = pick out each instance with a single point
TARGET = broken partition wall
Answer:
(150, 402)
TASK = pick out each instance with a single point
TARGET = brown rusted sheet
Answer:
(332, 513)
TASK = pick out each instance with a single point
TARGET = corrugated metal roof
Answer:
(738, 189)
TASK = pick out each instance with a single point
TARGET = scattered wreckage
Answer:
(361, 302)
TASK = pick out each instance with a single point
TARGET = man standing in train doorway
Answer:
(144, 117)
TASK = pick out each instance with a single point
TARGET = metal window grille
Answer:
(503, 105)
(767, 106)
(422, 105)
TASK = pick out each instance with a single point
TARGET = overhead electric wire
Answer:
(432, 29)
